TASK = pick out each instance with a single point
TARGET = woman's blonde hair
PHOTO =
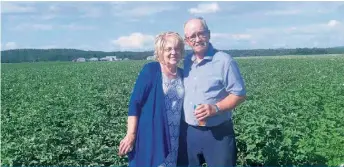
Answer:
(160, 41)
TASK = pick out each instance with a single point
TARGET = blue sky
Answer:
(119, 26)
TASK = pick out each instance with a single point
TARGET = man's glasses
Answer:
(201, 34)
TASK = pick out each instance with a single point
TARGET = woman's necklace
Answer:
(169, 72)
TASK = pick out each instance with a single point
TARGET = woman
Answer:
(155, 108)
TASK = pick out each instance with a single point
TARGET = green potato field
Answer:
(74, 114)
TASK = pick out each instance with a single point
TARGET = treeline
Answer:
(281, 52)
(40, 55)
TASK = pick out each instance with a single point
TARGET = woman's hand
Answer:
(126, 145)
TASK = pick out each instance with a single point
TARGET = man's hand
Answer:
(204, 111)
(126, 145)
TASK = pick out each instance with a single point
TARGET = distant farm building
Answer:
(109, 58)
(93, 59)
(150, 58)
(80, 59)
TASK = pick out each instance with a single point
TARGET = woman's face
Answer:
(171, 54)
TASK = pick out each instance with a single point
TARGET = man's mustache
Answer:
(201, 44)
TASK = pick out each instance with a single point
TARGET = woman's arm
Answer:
(127, 143)
(137, 100)
(132, 125)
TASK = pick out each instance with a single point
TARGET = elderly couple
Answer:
(183, 117)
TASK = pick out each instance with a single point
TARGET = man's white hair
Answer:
(204, 23)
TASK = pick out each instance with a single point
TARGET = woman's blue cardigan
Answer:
(147, 101)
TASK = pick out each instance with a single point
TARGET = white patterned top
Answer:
(174, 95)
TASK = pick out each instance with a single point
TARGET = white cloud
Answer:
(333, 23)
(117, 5)
(42, 27)
(33, 27)
(247, 10)
(81, 9)
(314, 35)
(332, 27)
(241, 36)
(91, 11)
(34, 17)
(134, 41)
(118, 2)
(47, 17)
(47, 27)
(48, 47)
(78, 9)
(232, 36)
(326, 34)
(284, 12)
(229, 40)
(253, 42)
(53, 8)
(13, 7)
(140, 11)
(205, 8)
(77, 27)
(9, 45)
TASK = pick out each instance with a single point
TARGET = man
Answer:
(213, 88)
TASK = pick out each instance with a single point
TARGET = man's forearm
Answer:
(230, 102)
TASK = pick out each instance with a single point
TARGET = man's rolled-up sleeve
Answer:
(232, 79)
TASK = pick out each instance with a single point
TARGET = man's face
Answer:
(196, 36)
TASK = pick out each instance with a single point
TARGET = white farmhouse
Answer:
(150, 58)
(93, 59)
(80, 59)
(109, 58)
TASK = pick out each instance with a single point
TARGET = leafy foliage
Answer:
(294, 112)
(72, 114)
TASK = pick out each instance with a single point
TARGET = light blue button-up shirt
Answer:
(210, 81)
